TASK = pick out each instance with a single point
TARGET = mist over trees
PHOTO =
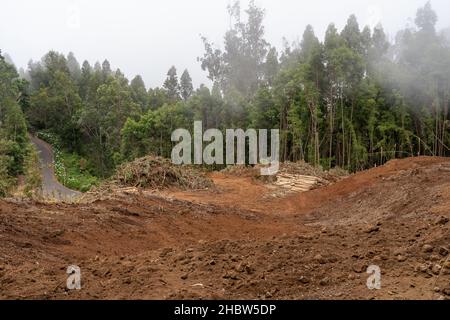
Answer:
(352, 100)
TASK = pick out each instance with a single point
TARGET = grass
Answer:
(74, 172)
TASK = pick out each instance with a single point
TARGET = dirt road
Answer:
(236, 243)
(51, 188)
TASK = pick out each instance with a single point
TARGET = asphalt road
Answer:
(51, 188)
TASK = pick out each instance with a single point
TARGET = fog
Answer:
(148, 37)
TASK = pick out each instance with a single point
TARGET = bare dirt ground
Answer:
(238, 242)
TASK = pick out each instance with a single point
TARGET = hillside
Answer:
(239, 241)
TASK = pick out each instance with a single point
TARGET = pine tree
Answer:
(74, 67)
(426, 19)
(171, 84)
(106, 69)
(186, 87)
(139, 92)
(86, 74)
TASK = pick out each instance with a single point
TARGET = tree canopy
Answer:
(353, 100)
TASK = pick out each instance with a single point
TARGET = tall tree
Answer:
(74, 67)
(271, 67)
(240, 67)
(426, 19)
(86, 74)
(106, 69)
(13, 129)
(103, 121)
(139, 92)
(186, 87)
(171, 84)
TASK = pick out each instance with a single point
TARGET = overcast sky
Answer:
(147, 37)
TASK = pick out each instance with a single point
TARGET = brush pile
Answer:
(290, 168)
(302, 168)
(152, 173)
(159, 173)
(241, 171)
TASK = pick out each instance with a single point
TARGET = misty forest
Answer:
(353, 100)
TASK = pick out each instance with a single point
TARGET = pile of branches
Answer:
(241, 171)
(300, 168)
(159, 173)
(305, 169)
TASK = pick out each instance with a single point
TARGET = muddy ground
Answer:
(237, 241)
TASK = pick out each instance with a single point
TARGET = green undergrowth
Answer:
(71, 169)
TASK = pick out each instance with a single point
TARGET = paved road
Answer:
(51, 188)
